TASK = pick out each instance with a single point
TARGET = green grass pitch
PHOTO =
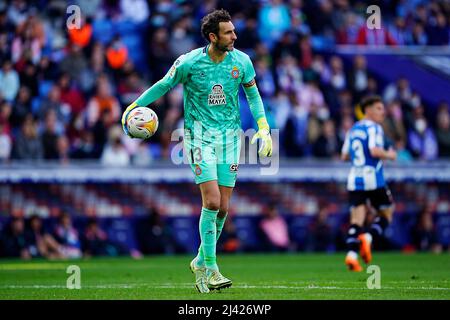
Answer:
(255, 276)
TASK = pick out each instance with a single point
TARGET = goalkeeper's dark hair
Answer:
(210, 22)
(369, 101)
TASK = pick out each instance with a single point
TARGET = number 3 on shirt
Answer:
(358, 151)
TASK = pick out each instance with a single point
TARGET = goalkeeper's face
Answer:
(224, 41)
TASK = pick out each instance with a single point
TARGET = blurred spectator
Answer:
(60, 109)
(68, 237)
(310, 94)
(403, 154)
(6, 24)
(443, 133)
(74, 62)
(424, 235)
(71, 95)
(116, 53)
(359, 77)
(136, 11)
(393, 126)
(96, 68)
(49, 136)
(438, 31)
(14, 241)
(289, 74)
(374, 37)
(181, 38)
(399, 31)
(320, 237)
(314, 124)
(400, 90)
(41, 243)
(81, 36)
(285, 46)
(348, 32)
(328, 144)
(21, 107)
(142, 156)
(9, 81)
(63, 149)
(319, 15)
(264, 78)
(90, 7)
(419, 37)
(295, 131)
(5, 144)
(159, 59)
(281, 107)
(5, 50)
(274, 230)
(101, 101)
(306, 52)
(28, 144)
(85, 147)
(28, 42)
(101, 130)
(130, 87)
(338, 79)
(96, 242)
(5, 114)
(115, 153)
(422, 140)
(248, 38)
(154, 235)
(273, 20)
(29, 79)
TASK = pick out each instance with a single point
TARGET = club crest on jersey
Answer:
(198, 170)
(217, 96)
(235, 72)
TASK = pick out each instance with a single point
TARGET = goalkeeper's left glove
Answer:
(125, 117)
(265, 149)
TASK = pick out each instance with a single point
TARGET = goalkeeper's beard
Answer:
(222, 48)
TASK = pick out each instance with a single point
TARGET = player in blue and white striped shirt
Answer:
(364, 147)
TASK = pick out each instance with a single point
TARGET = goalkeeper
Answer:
(211, 77)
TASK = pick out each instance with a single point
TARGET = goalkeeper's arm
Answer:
(257, 110)
(171, 79)
(153, 93)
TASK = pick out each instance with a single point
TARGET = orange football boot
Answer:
(365, 249)
(353, 264)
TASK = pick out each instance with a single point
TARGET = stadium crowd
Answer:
(62, 90)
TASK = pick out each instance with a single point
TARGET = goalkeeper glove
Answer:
(125, 117)
(265, 149)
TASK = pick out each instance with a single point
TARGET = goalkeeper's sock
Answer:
(200, 259)
(219, 226)
(352, 240)
(208, 235)
(378, 227)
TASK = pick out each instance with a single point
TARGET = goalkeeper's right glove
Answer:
(125, 117)
(265, 149)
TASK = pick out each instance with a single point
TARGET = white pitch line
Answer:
(189, 285)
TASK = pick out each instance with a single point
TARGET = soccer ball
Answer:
(142, 123)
